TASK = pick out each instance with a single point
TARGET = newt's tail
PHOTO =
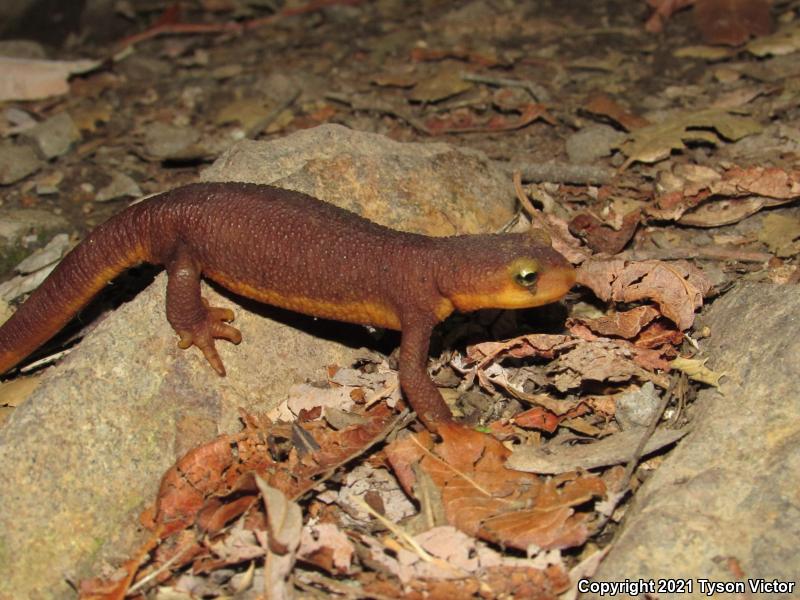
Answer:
(109, 250)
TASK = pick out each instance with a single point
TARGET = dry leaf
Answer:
(30, 79)
(601, 237)
(696, 369)
(676, 287)
(655, 142)
(709, 199)
(782, 42)
(605, 105)
(482, 497)
(625, 324)
(710, 53)
(612, 450)
(597, 361)
(327, 547)
(732, 22)
(444, 84)
(284, 521)
(662, 11)
(780, 233)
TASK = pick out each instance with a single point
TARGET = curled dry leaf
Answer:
(722, 199)
(326, 546)
(284, 523)
(676, 287)
(600, 360)
(625, 324)
(601, 237)
(662, 11)
(462, 121)
(573, 360)
(655, 142)
(33, 79)
(604, 105)
(482, 497)
(479, 571)
(732, 22)
(612, 450)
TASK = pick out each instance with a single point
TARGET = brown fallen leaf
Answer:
(440, 86)
(482, 497)
(31, 79)
(612, 450)
(625, 324)
(327, 547)
(216, 483)
(486, 59)
(732, 22)
(780, 233)
(676, 287)
(710, 199)
(601, 360)
(604, 105)
(465, 121)
(784, 41)
(656, 142)
(662, 11)
(601, 237)
(284, 523)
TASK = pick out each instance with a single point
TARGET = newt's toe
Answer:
(227, 332)
(203, 335)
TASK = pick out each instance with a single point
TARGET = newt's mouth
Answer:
(553, 284)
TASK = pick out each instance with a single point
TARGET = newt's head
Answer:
(513, 270)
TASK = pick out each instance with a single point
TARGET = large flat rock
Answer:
(727, 501)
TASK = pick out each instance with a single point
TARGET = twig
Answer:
(702, 252)
(150, 576)
(524, 201)
(262, 124)
(411, 544)
(537, 92)
(231, 26)
(50, 358)
(379, 107)
(615, 496)
(560, 172)
(636, 456)
(340, 588)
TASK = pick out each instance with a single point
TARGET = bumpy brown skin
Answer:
(291, 250)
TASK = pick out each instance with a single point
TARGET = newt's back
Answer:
(288, 249)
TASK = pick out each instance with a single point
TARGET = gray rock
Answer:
(432, 188)
(121, 185)
(171, 142)
(17, 162)
(43, 257)
(730, 488)
(592, 143)
(18, 222)
(164, 141)
(85, 453)
(54, 136)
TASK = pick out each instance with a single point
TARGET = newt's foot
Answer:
(203, 334)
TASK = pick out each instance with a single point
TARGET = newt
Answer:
(293, 251)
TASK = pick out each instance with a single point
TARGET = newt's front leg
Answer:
(188, 312)
(414, 379)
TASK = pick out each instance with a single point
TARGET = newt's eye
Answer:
(526, 277)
